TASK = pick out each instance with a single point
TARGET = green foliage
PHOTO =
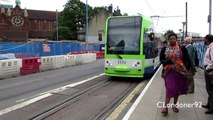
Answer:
(125, 14)
(73, 18)
(64, 33)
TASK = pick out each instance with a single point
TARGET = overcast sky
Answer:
(198, 11)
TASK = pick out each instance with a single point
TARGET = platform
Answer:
(148, 106)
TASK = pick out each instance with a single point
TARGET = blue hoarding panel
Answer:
(40, 48)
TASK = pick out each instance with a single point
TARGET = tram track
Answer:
(68, 101)
(116, 102)
(104, 109)
(95, 99)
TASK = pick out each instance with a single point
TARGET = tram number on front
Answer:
(121, 62)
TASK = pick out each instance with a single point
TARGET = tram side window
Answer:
(149, 47)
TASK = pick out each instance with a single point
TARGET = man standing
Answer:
(208, 64)
(191, 73)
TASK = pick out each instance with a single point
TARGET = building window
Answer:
(36, 25)
(30, 25)
(39, 25)
(2, 21)
(43, 25)
(49, 26)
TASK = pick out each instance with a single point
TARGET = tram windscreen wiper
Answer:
(119, 56)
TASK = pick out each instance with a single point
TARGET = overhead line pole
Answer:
(56, 24)
(209, 16)
(186, 34)
(86, 25)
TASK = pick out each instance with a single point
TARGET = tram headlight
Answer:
(136, 64)
(108, 63)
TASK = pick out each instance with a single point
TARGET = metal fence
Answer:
(32, 49)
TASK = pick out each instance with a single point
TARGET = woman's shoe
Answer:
(209, 111)
(165, 111)
(205, 106)
(175, 109)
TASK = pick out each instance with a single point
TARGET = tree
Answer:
(64, 33)
(73, 17)
(125, 14)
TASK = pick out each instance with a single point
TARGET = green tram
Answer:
(130, 47)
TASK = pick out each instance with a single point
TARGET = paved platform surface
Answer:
(149, 103)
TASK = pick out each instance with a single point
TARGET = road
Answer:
(17, 89)
(68, 90)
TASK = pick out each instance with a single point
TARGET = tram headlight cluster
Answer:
(136, 64)
(108, 63)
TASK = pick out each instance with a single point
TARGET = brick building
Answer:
(20, 25)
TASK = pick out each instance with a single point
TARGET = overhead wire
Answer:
(164, 11)
(151, 11)
(149, 6)
(169, 5)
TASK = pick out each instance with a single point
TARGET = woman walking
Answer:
(176, 63)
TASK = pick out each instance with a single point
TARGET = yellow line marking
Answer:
(114, 115)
